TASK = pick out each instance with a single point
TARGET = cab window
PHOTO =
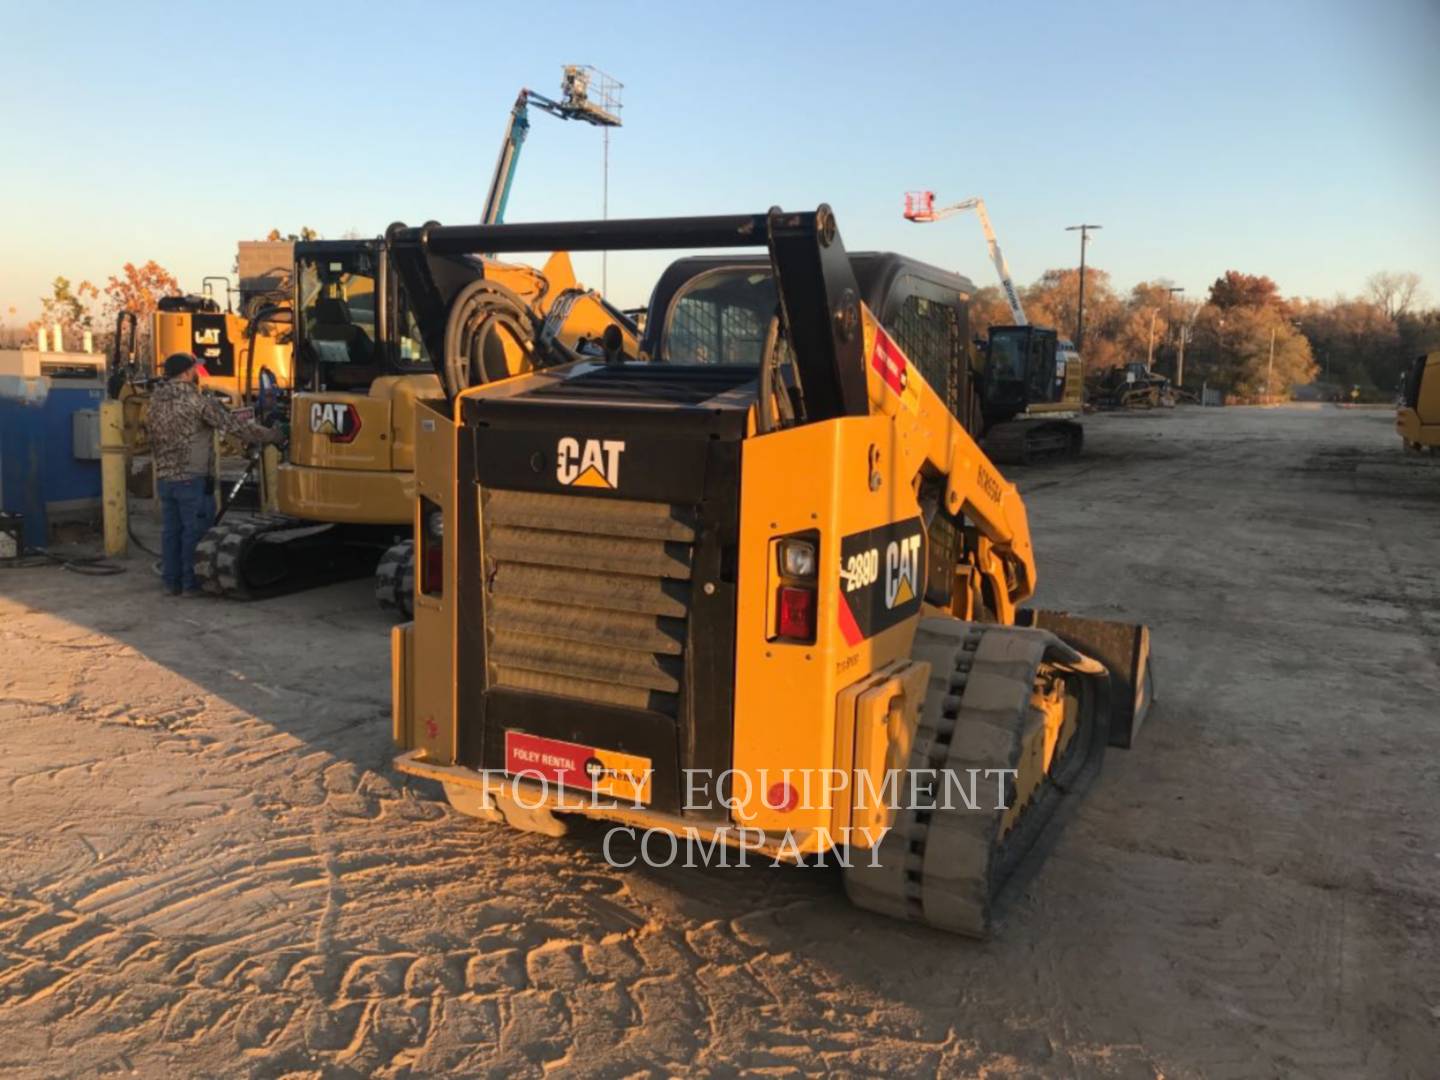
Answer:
(720, 317)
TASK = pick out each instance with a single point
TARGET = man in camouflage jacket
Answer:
(182, 420)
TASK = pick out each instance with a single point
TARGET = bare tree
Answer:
(1394, 293)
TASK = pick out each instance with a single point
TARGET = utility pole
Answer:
(1150, 349)
(1084, 231)
(1180, 360)
(1180, 355)
(1270, 367)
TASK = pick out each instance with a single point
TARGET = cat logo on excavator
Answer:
(338, 419)
(595, 463)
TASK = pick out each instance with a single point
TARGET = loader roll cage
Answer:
(819, 296)
(821, 292)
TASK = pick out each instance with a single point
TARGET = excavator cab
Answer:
(343, 340)
(1029, 392)
(1021, 368)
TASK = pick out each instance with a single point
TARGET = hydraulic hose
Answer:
(481, 317)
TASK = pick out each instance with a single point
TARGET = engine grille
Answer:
(587, 598)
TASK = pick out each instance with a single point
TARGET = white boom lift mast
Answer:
(920, 206)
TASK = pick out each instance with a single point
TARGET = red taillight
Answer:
(795, 613)
(430, 560)
(432, 569)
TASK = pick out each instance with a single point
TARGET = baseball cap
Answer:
(178, 363)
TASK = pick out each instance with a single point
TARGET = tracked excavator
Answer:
(1030, 385)
(339, 503)
(1418, 419)
(727, 585)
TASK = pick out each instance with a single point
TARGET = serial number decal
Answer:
(882, 578)
(988, 483)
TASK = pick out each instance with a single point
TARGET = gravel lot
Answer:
(208, 868)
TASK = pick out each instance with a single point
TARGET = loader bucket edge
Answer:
(1124, 648)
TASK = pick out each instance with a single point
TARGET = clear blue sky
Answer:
(1295, 138)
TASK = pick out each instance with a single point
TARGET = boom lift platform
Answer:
(1030, 381)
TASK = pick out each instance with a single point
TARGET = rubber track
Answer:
(1024, 442)
(944, 866)
(221, 552)
(395, 579)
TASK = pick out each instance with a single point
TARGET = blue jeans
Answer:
(188, 511)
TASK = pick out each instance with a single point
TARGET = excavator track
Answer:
(395, 579)
(1024, 442)
(269, 555)
(949, 865)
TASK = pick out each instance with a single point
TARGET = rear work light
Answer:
(795, 613)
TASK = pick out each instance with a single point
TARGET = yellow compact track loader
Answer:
(753, 585)
(1418, 418)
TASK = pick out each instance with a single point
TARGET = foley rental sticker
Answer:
(588, 768)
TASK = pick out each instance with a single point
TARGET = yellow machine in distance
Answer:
(726, 585)
(340, 501)
(1418, 418)
(235, 353)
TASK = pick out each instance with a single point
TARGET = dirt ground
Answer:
(208, 869)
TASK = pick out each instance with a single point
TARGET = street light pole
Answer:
(1084, 231)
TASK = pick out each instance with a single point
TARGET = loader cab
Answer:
(717, 310)
(354, 324)
(1023, 366)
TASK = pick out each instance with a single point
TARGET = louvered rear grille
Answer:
(587, 597)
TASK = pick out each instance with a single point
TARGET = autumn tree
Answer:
(137, 289)
(11, 336)
(1252, 351)
(70, 308)
(1054, 301)
(988, 308)
(1235, 289)
(1393, 293)
(306, 233)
